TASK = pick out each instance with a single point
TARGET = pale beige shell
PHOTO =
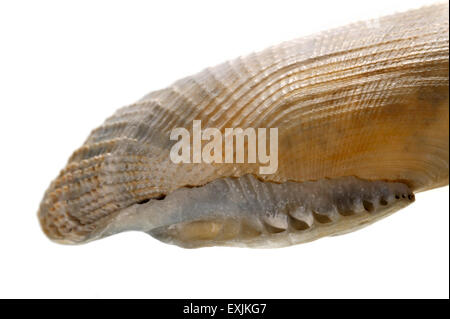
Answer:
(368, 100)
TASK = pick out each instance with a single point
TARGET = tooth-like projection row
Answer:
(246, 211)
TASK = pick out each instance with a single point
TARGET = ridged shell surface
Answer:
(368, 100)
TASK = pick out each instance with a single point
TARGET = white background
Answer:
(66, 66)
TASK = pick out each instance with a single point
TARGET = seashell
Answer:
(362, 113)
